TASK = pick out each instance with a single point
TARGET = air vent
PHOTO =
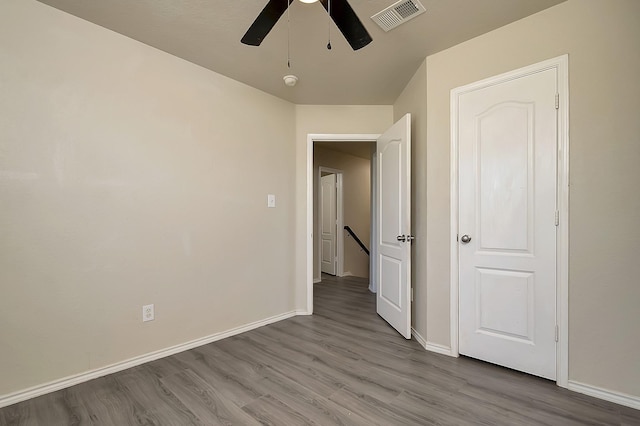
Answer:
(398, 13)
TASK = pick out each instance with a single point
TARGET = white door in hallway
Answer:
(328, 218)
(507, 169)
(393, 204)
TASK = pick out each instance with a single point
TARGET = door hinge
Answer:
(557, 100)
(412, 294)
(557, 218)
(557, 332)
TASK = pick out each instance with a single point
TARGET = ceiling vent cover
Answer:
(398, 13)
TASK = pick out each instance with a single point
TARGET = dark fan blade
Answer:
(265, 21)
(348, 23)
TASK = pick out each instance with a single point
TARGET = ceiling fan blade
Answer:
(348, 23)
(265, 22)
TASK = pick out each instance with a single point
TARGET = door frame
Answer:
(339, 220)
(322, 137)
(561, 65)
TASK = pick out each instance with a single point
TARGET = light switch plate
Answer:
(271, 200)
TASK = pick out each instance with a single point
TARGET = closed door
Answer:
(507, 223)
(393, 247)
(328, 217)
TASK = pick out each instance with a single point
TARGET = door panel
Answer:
(394, 220)
(328, 215)
(389, 158)
(391, 292)
(513, 320)
(507, 204)
(504, 145)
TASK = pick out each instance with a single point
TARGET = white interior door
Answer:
(394, 223)
(507, 223)
(328, 218)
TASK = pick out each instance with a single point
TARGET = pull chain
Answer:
(329, 10)
(288, 35)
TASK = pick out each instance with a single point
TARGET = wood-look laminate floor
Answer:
(343, 365)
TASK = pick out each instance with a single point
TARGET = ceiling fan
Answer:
(341, 12)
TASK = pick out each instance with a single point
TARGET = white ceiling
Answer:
(208, 33)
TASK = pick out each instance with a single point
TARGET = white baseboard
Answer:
(433, 347)
(418, 337)
(437, 348)
(32, 392)
(597, 392)
(606, 394)
(317, 280)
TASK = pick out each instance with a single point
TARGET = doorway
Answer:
(313, 175)
(342, 209)
(509, 195)
(391, 250)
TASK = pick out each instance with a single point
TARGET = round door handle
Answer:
(401, 238)
(465, 239)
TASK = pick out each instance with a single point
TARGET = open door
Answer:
(394, 222)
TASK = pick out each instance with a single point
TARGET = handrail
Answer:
(355, 237)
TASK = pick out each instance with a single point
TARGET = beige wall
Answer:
(413, 99)
(325, 119)
(602, 39)
(356, 197)
(127, 177)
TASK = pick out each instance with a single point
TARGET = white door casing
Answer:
(394, 222)
(373, 251)
(328, 231)
(507, 171)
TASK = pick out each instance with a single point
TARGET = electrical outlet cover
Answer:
(148, 313)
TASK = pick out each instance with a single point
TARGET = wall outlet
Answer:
(147, 313)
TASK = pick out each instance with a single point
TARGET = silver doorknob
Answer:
(465, 239)
(410, 238)
(401, 238)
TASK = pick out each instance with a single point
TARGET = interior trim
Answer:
(606, 394)
(311, 138)
(438, 348)
(39, 390)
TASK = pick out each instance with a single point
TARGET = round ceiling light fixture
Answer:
(308, 1)
(290, 80)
